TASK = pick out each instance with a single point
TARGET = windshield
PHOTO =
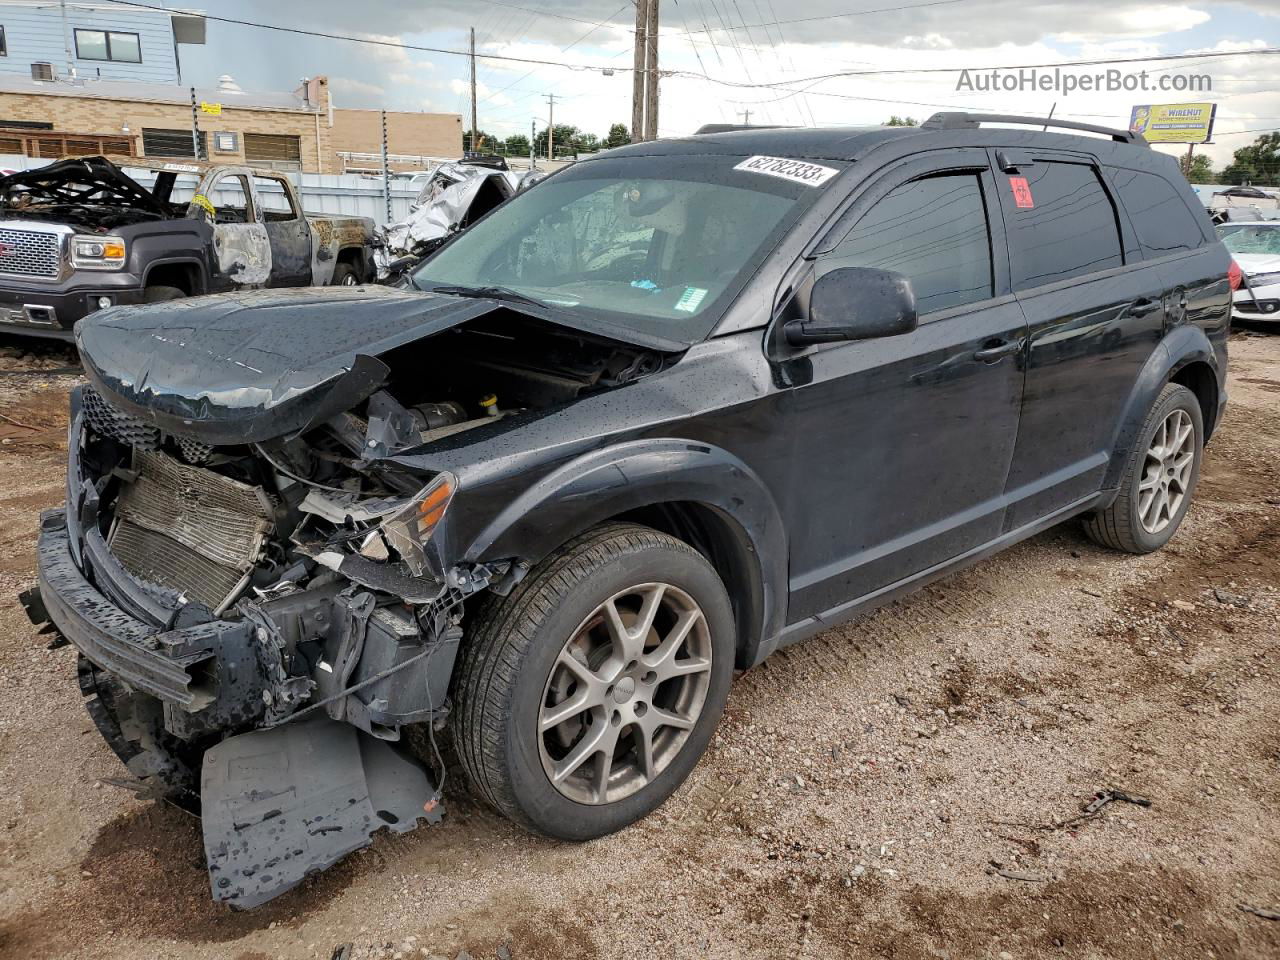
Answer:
(659, 245)
(1247, 238)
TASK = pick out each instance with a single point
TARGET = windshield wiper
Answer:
(489, 293)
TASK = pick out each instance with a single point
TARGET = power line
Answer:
(691, 74)
(836, 16)
(593, 29)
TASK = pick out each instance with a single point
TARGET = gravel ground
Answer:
(900, 787)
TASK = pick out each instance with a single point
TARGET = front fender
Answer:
(606, 483)
(1184, 345)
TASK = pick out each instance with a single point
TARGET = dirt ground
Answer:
(855, 802)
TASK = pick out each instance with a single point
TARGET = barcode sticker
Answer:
(797, 171)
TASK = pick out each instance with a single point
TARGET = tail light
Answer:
(1235, 276)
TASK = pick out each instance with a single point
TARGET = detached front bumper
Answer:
(216, 701)
(160, 663)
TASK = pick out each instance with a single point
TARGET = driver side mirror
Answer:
(855, 303)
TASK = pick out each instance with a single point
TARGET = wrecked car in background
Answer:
(80, 235)
(454, 196)
(650, 420)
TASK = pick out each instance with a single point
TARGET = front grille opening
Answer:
(30, 253)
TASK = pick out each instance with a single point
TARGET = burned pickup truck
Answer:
(79, 235)
(648, 421)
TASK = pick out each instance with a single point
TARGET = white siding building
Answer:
(64, 39)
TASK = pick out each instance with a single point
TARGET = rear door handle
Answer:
(997, 350)
(1143, 307)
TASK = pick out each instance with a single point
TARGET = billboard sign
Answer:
(1173, 122)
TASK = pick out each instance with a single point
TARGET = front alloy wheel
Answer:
(624, 693)
(586, 696)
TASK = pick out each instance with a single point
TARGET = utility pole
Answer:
(533, 141)
(474, 127)
(651, 75)
(551, 126)
(637, 72)
(746, 117)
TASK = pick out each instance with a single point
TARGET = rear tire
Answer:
(548, 647)
(344, 275)
(1159, 479)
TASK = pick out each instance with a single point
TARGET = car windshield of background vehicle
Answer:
(1247, 238)
(659, 245)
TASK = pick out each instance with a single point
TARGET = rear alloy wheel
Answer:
(1159, 478)
(1166, 472)
(583, 699)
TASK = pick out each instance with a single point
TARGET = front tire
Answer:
(1159, 479)
(586, 697)
(160, 294)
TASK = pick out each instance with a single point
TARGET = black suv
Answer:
(667, 411)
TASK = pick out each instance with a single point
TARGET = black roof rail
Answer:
(969, 121)
(733, 127)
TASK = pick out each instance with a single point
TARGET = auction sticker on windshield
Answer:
(797, 171)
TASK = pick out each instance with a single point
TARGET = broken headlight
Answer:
(409, 531)
(97, 253)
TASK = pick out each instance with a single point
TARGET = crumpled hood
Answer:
(1257, 264)
(251, 366)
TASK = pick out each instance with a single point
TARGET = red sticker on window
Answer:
(1021, 192)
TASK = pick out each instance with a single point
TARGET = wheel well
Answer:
(725, 545)
(355, 257)
(184, 276)
(1198, 377)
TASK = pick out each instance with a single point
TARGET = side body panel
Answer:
(1090, 337)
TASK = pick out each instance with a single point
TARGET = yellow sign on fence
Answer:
(214, 108)
(1173, 122)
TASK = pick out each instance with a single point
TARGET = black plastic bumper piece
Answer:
(283, 803)
(155, 662)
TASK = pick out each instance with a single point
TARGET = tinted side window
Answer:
(932, 230)
(1160, 217)
(1061, 225)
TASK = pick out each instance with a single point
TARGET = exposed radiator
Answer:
(189, 529)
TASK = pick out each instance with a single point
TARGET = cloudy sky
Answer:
(728, 56)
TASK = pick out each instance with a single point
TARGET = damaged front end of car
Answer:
(258, 574)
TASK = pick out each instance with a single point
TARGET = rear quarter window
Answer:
(1160, 217)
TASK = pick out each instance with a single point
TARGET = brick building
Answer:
(300, 130)
(357, 138)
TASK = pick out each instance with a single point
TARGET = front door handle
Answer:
(1143, 307)
(997, 350)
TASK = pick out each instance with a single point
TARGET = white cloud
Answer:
(340, 84)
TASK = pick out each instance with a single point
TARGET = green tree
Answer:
(586, 143)
(565, 136)
(1257, 164)
(1200, 171)
(897, 121)
(618, 136)
(517, 145)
